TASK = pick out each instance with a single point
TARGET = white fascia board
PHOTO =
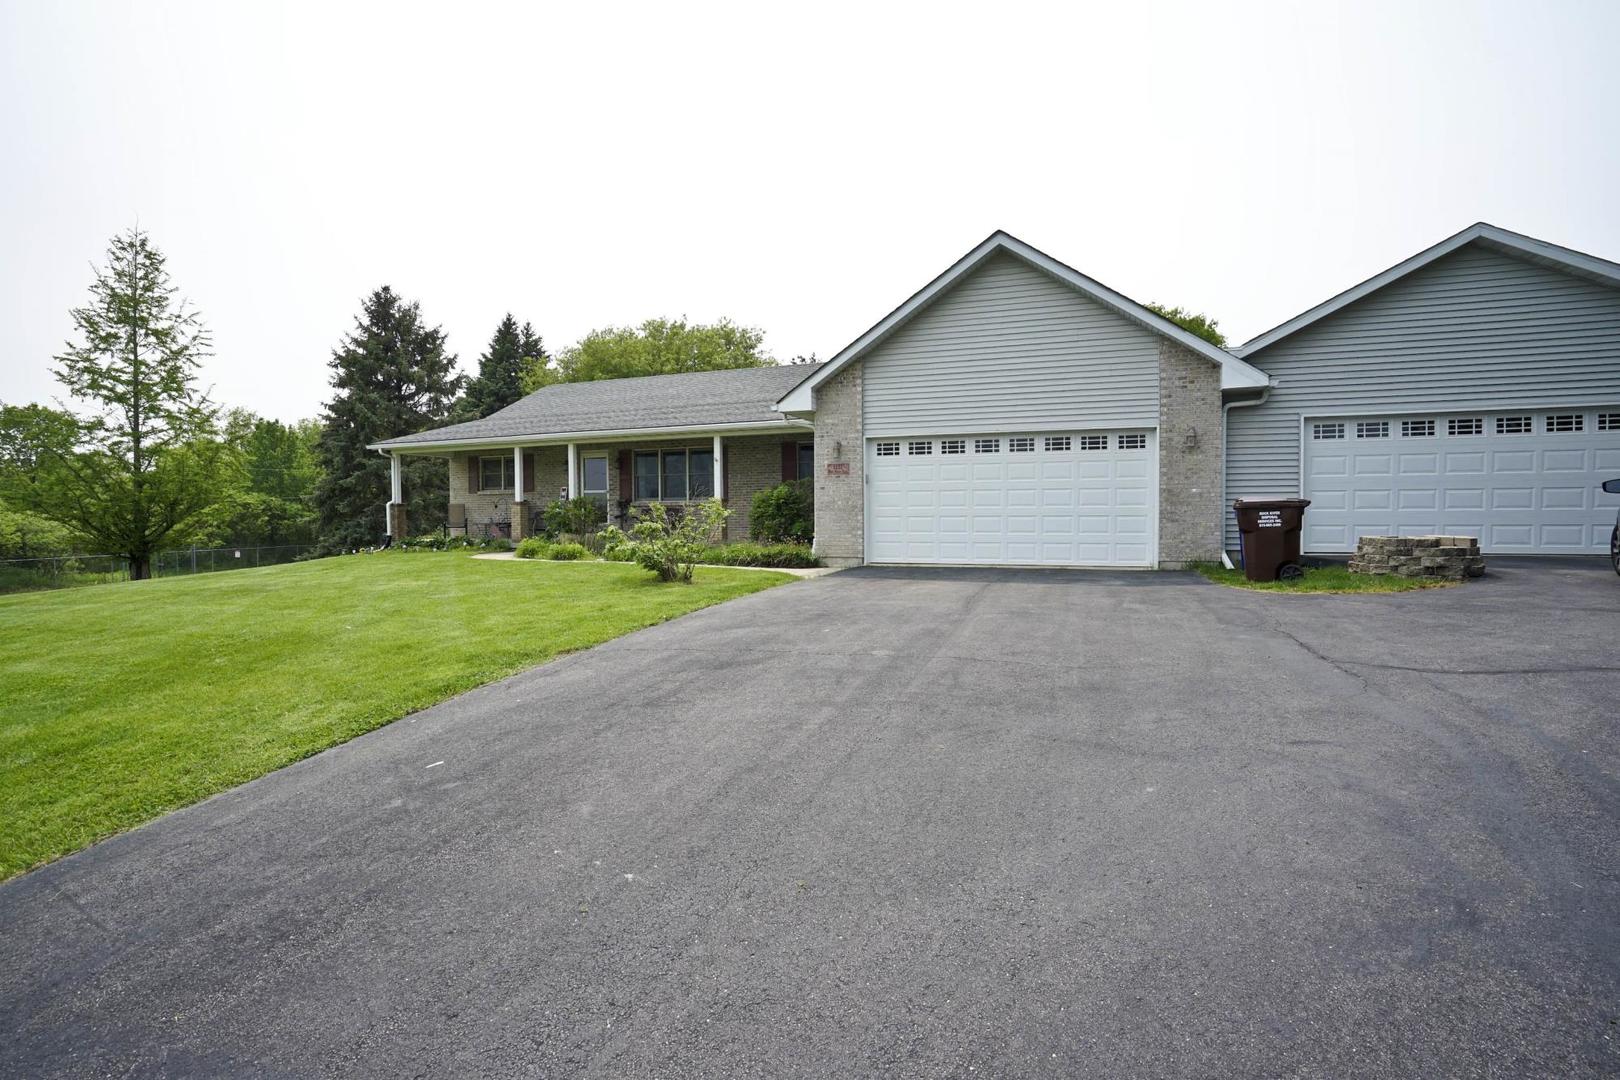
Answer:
(1235, 374)
(562, 438)
(1574, 261)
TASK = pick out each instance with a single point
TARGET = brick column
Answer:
(396, 520)
(520, 520)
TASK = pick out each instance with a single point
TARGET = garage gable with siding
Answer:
(1011, 348)
(1491, 323)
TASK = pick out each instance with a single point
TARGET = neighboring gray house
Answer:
(1017, 412)
(1473, 389)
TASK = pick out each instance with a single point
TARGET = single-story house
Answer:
(1016, 412)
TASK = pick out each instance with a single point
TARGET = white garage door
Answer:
(1524, 482)
(1081, 498)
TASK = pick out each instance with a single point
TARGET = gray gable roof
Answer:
(651, 403)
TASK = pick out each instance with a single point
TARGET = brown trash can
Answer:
(1270, 532)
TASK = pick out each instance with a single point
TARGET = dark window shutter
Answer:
(528, 472)
(790, 462)
(626, 481)
(725, 475)
(472, 475)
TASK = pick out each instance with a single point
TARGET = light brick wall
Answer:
(841, 498)
(754, 463)
(550, 473)
(1190, 441)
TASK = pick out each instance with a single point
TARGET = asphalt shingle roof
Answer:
(654, 402)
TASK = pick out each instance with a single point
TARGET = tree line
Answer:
(137, 458)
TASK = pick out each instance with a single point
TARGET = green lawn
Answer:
(1325, 579)
(120, 702)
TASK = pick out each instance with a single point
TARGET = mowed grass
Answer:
(1323, 579)
(120, 702)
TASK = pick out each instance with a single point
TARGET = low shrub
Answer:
(537, 547)
(614, 546)
(794, 556)
(569, 552)
(576, 517)
(785, 513)
(440, 542)
(534, 548)
(671, 549)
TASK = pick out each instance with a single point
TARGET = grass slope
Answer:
(120, 702)
(1323, 579)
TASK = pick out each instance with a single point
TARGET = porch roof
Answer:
(731, 400)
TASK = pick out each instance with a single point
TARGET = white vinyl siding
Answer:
(1475, 330)
(1011, 347)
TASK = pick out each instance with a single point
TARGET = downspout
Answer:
(1226, 410)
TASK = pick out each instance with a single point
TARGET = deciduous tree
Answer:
(146, 461)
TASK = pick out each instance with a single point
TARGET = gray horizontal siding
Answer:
(1474, 330)
(1011, 349)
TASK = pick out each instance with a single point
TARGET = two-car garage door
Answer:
(1054, 498)
(1524, 481)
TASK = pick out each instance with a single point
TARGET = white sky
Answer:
(800, 168)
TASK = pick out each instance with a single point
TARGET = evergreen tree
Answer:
(391, 377)
(146, 461)
(500, 370)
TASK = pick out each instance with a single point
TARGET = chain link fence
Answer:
(67, 571)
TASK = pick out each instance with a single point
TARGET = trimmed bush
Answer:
(534, 548)
(614, 546)
(785, 513)
(569, 552)
(794, 556)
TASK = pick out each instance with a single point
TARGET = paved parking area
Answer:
(904, 823)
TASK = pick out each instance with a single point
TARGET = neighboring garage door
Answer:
(1083, 498)
(1524, 482)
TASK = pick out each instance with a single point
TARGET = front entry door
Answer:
(594, 470)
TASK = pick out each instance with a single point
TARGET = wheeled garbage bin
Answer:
(1270, 532)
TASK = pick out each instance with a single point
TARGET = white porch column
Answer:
(396, 477)
(719, 470)
(517, 474)
(573, 470)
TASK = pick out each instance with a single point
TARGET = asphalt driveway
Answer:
(904, 824)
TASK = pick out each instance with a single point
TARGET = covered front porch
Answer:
(503, 490)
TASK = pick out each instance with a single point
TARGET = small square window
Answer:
(953, 446)
(1094, 442)
(1566, 422)
(888, 449)
(1417, 429)
(987, 446)
(1465, 425)
(920, 448)
(1372, 429)
(1137, 441)
(1327, 431)
(1608, 421)
(1058, 442)
(1513, 425)
(1021, 444)
(495, 473)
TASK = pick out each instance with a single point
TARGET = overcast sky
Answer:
(799, 168)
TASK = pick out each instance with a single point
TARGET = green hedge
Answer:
(791, 556)
(536, 547)
(440, 542)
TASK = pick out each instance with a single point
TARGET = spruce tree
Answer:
(391, 377)
(500, 370)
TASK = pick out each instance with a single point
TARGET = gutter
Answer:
(763, 427)
(1226, 410)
